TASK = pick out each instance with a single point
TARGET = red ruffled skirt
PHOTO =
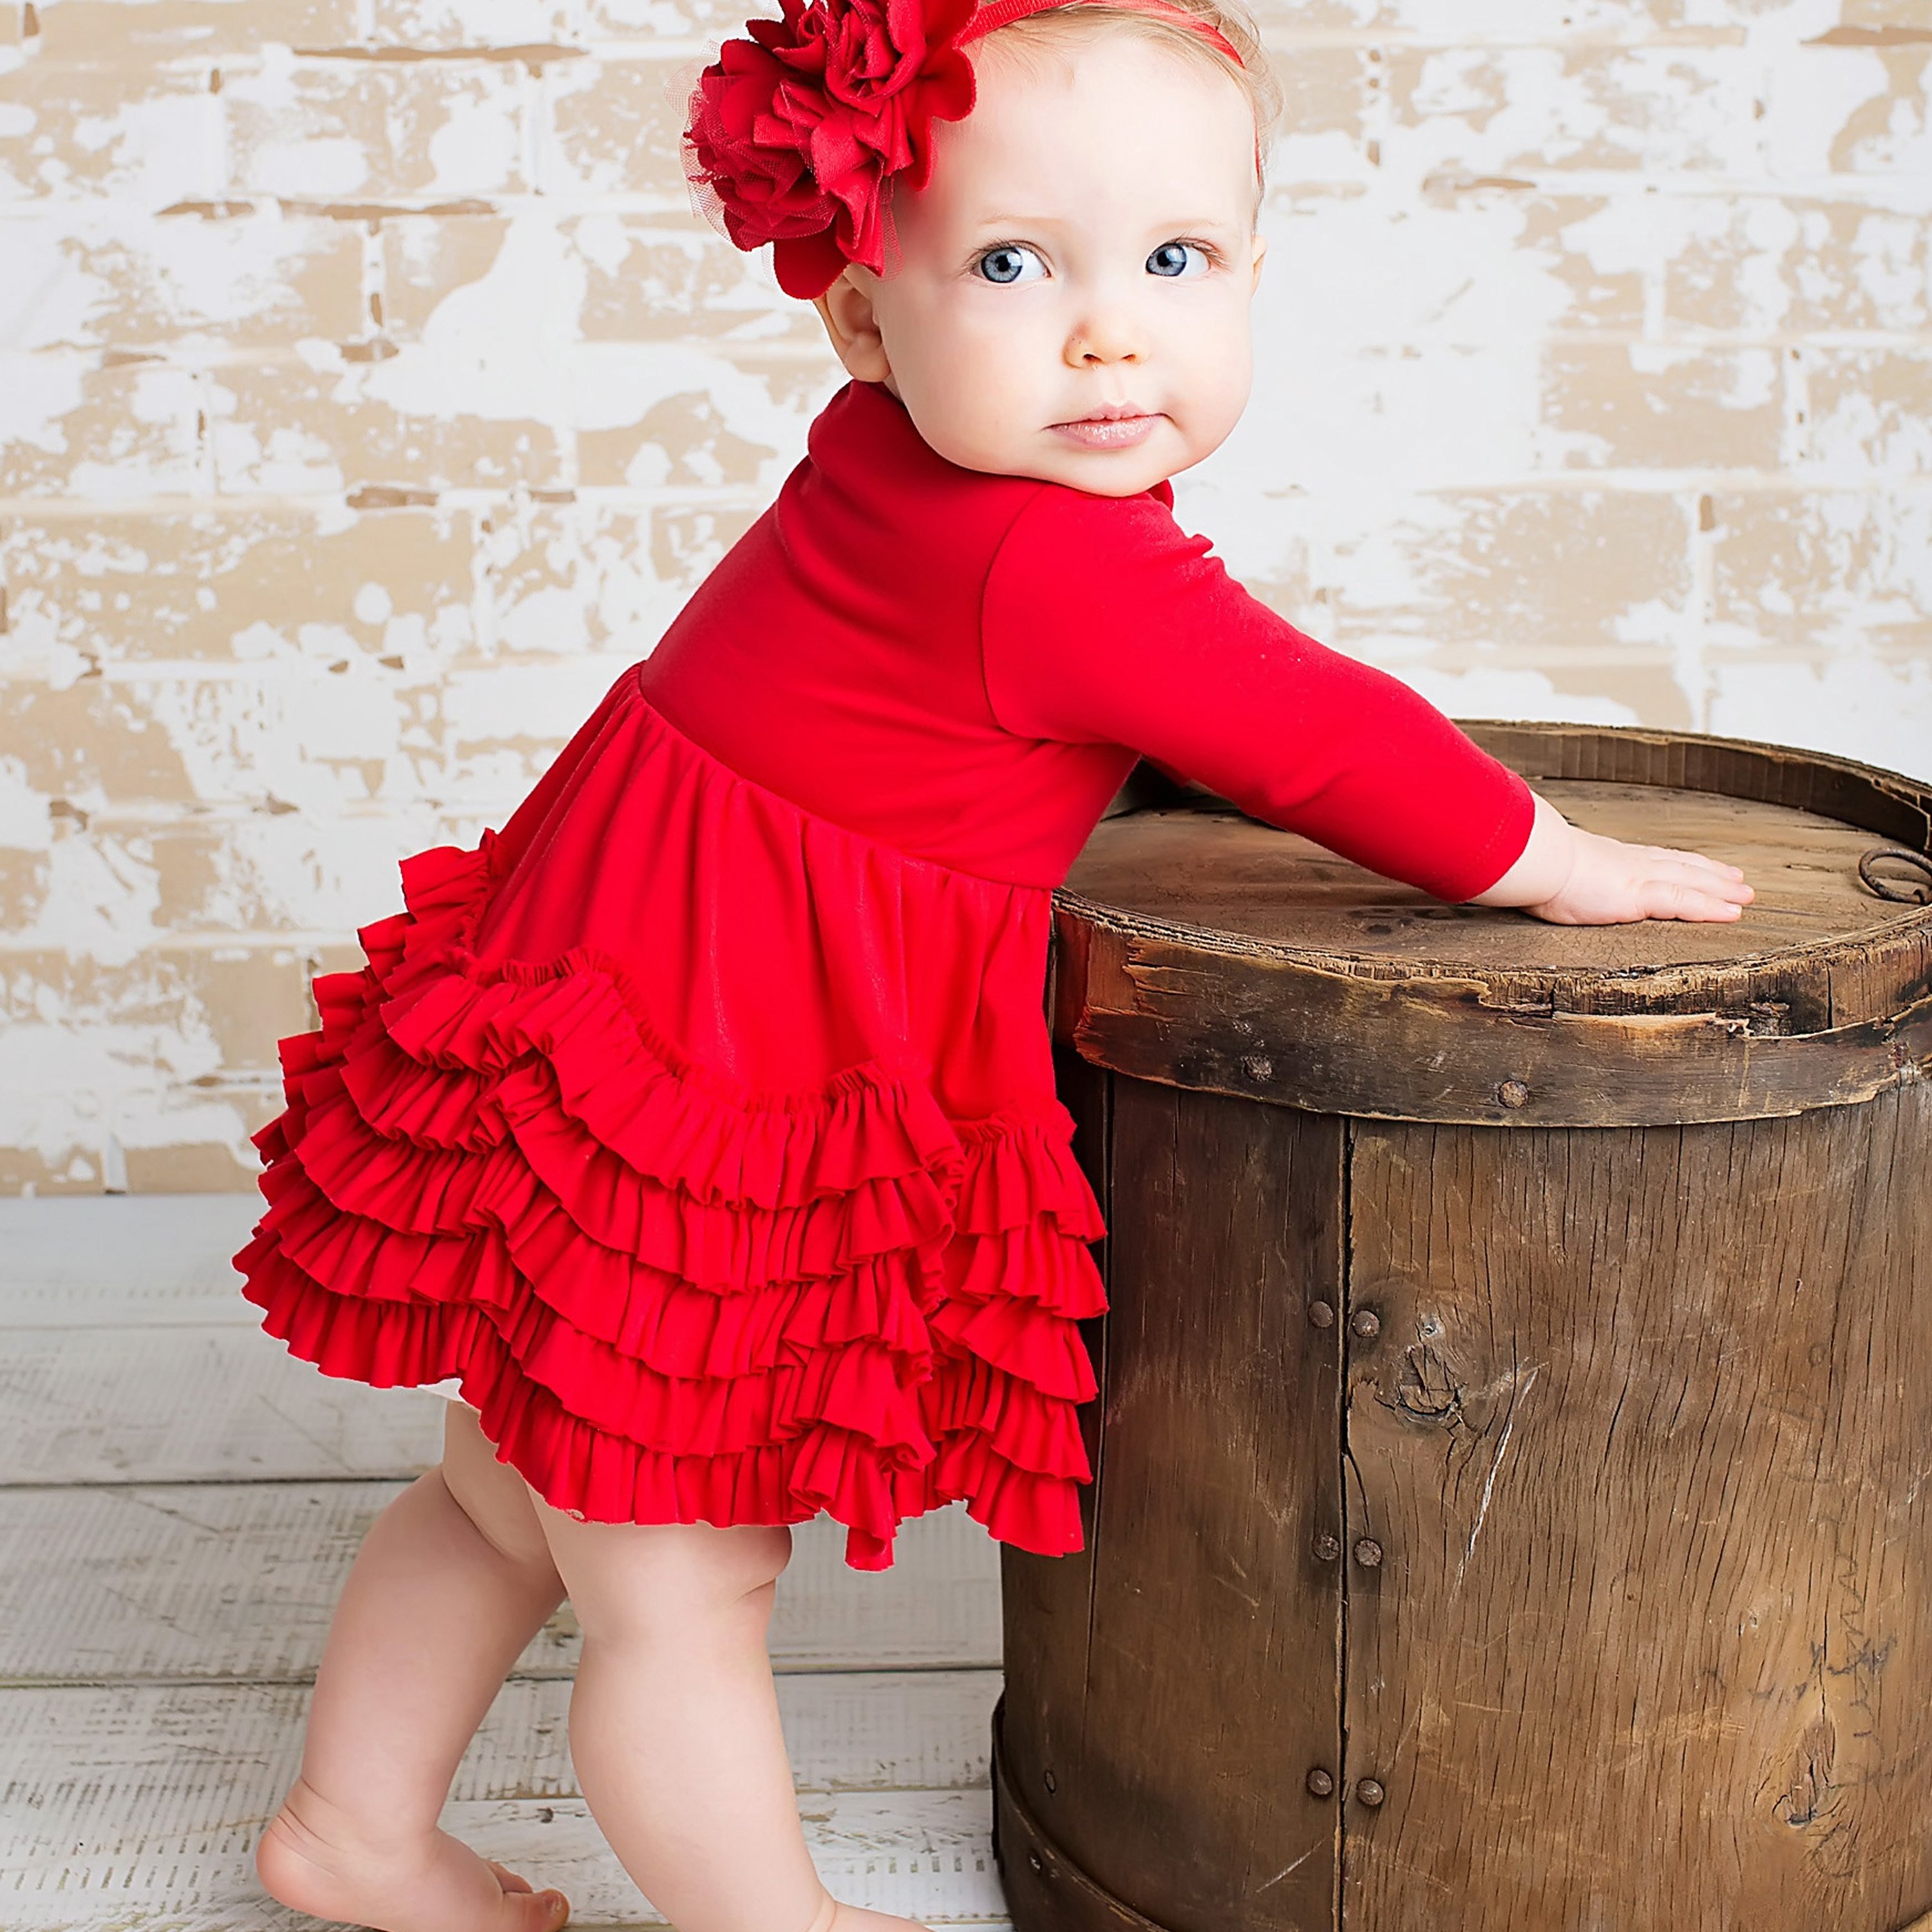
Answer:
(713, 1147)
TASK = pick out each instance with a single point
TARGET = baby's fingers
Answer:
(1673, 853)
(1717, 901)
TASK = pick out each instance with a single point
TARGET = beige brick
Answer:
(91, 741)
(1871, 411)
(1905, 18)
(644, 285)
(1330, 100)
(575, 578)
(287, 428)
(682, 439)
(657, 21)
(202, 1167)
(1610, 406)
(157, 31)
(351, 130)
(426, 259)
(1571, 238)
(225, 1006)
(1803, 571)
(1822, 632)
(504, 26)
(267, 587)
(1283, 19)
(145, 137)
(74, 1168)
(613, 127)
(643, 280)
(686, 544)
(134, 430)
(1470, 245)
(597, 583)
(1505, 111)
(146, 282)
(1540, 578)
(1848, 108)
(1762, 265)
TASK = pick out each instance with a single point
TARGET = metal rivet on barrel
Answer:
(1052, 1783)
(1326, 1547)
(1368, 1553)
(1366, 1323)
(1370, 1792)
(1320, 1784)
(1513, 1093)
(1322, 1314)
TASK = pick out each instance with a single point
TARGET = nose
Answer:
(1109, 332)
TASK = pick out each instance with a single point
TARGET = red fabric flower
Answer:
(794, 132)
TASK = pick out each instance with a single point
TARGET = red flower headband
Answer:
(794, 132)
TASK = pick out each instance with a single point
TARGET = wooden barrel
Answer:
(1513, 1507)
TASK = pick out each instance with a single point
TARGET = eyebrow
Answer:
(1022, 223)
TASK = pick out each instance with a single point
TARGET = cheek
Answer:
(975, 348)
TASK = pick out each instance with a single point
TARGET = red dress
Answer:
(702, 1121)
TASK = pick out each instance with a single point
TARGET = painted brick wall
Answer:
(368, 394)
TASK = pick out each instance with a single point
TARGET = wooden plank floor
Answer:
(179, 1503)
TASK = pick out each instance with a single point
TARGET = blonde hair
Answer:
(1229, 18)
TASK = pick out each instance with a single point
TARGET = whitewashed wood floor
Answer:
(179, 1503)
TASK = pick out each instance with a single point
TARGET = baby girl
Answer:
(699, 1127)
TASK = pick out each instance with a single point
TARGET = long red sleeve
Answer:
(1104, 623)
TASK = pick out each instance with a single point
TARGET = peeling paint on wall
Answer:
(368, 394)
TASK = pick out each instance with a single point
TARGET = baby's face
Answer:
(1072, 297)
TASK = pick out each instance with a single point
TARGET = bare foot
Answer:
(314, 1859)
(857, 1918)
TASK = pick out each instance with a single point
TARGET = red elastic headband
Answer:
(795, 129)
(1004, 12)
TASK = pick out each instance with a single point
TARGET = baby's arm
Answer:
(1574, 878)
(1103, 622)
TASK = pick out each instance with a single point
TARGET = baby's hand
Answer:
(1574, 878)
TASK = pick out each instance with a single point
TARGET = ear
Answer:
(1261, 249)
(847, 311)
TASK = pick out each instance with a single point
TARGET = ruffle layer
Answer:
(671, 1297)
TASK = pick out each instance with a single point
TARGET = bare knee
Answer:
(490, 1493)
(656, 1582)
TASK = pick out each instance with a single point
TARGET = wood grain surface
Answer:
(178, 1504)
(1134, 1702)
(135, 1808)
(1232, 875)
(1198, 947)
(1625, 1253)
(199, 1581)
(1641, 1439)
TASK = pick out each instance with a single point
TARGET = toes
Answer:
(509, 1880)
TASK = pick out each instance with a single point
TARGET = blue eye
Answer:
(1178, 258)
(1010, 262)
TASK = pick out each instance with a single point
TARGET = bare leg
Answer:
(454, 1579)
(674, 1725)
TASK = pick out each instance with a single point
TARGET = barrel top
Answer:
(1226, 874)
(1199, 947)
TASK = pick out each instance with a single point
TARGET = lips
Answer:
(1110, 426)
